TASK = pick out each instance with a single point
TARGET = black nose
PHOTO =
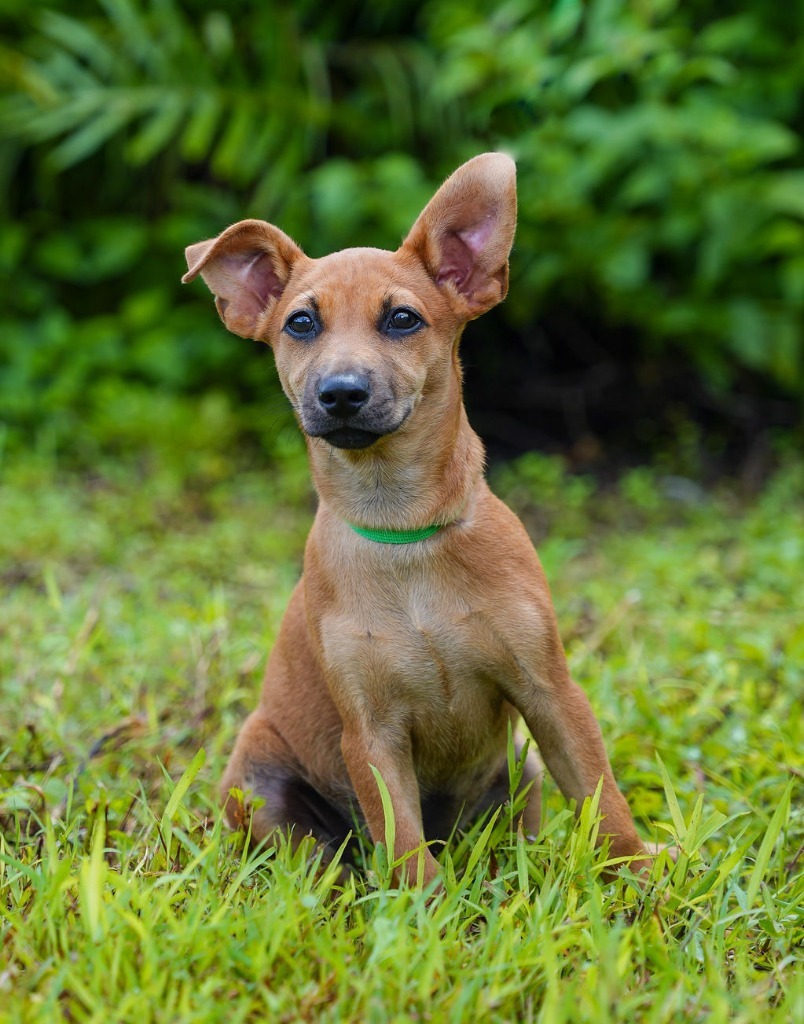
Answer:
(343, 394)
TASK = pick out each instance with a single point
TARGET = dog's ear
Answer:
(246, 268)
(464, 234)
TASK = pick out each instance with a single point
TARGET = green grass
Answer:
(137, 609)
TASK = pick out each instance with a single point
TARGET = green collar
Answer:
(397, 536)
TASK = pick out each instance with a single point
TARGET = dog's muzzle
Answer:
(343, 410)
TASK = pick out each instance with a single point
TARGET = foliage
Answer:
(660, 184)
(658, 146)
(143, 603)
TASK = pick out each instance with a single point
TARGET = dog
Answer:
(422, 627)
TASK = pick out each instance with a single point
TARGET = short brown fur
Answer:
(411, 658)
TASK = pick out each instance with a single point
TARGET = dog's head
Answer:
(363, 337)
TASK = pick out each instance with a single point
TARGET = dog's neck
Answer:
(404, 481)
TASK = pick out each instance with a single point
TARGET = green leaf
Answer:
(159, 130)
(183, 785)
(82, 39)
(202, 126)
(672, 802)
(388, 813)
(480, 847)
(93, 880)
(777, 823)
(235, 141)
(89, 138)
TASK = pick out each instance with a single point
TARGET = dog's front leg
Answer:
(364, 749)
(569, 739)
(561, 720)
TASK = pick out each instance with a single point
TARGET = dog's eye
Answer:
(301, 325)
(403, 321)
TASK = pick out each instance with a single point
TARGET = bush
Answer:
(661, 182)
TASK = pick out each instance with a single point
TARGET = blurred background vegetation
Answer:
(658, 274)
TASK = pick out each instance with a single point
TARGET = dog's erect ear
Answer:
(464, 234)
(246, 267)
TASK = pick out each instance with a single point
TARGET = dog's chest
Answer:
(431, 654)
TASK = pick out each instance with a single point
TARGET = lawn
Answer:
(138, 605)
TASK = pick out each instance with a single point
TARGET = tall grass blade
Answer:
(388, 813)
(184, 783)
(778, 821)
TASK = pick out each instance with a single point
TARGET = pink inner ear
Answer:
(459, 253)
(256, 274)
(476, 238)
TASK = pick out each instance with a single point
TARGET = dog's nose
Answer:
(344, 394)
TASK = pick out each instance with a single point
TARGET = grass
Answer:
(138, 605)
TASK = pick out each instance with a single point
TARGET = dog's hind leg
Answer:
(265, 789)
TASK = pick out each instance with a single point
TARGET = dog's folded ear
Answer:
(464, 234)
(246, 268)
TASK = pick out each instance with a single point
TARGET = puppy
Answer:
(422, 626)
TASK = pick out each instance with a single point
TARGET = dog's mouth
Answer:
(350, 437)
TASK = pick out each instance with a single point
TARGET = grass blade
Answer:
(388, 813)
(184, 783)
(777, 822)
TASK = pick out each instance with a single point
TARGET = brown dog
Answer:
(423, 624)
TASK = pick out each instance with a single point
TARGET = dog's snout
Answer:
(343, 395)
